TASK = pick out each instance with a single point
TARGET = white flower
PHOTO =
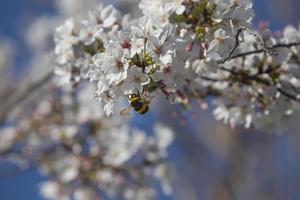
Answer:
(141, 193)
(291, 34)
(164, 136)
(202, 67)
(7, 137)
(107, 16)
(137, 45)
(156, 10)
(69, 169)
(239, 11)
(65, 37)
(113, 65)
(227, 115)
(69, 174)
(164, 174)
(175, 5)
(99, 20)
(122, 145)
(69, 8)
(84, 194)
(135, 80)
(221, 46)
(51, 190)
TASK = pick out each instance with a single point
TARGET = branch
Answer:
(258, 51)
(21, 94)
(247, 76)
(288, 95)
(212, 79)
(259, 41)
(264, 82)
(236, 45)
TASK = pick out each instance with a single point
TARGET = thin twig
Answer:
(264, 82)
(247, 76)
(21, 94)
(258, 51)
(236, 45)
(212, 79)
(288, 95)
(261, 43)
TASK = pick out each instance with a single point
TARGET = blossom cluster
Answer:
(84, 153)
(185, 50)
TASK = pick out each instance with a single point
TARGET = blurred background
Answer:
(212, 161)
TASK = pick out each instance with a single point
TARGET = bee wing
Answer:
(126, 111)
(148, 99)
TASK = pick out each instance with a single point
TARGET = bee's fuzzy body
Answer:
(137, 103)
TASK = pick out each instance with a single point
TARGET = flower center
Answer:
(167, 69)
(119, 65)
(126, 45)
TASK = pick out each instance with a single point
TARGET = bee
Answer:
(138, 103)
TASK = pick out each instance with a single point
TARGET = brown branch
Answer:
(206, 78)
(288, 95)
(22, 94)
(247, 76)
(264, 82)
(258, 51)
(263, 48)
(236, 45)
(269, 50)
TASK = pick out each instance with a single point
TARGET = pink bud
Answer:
(278, 34)
(263, 25)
